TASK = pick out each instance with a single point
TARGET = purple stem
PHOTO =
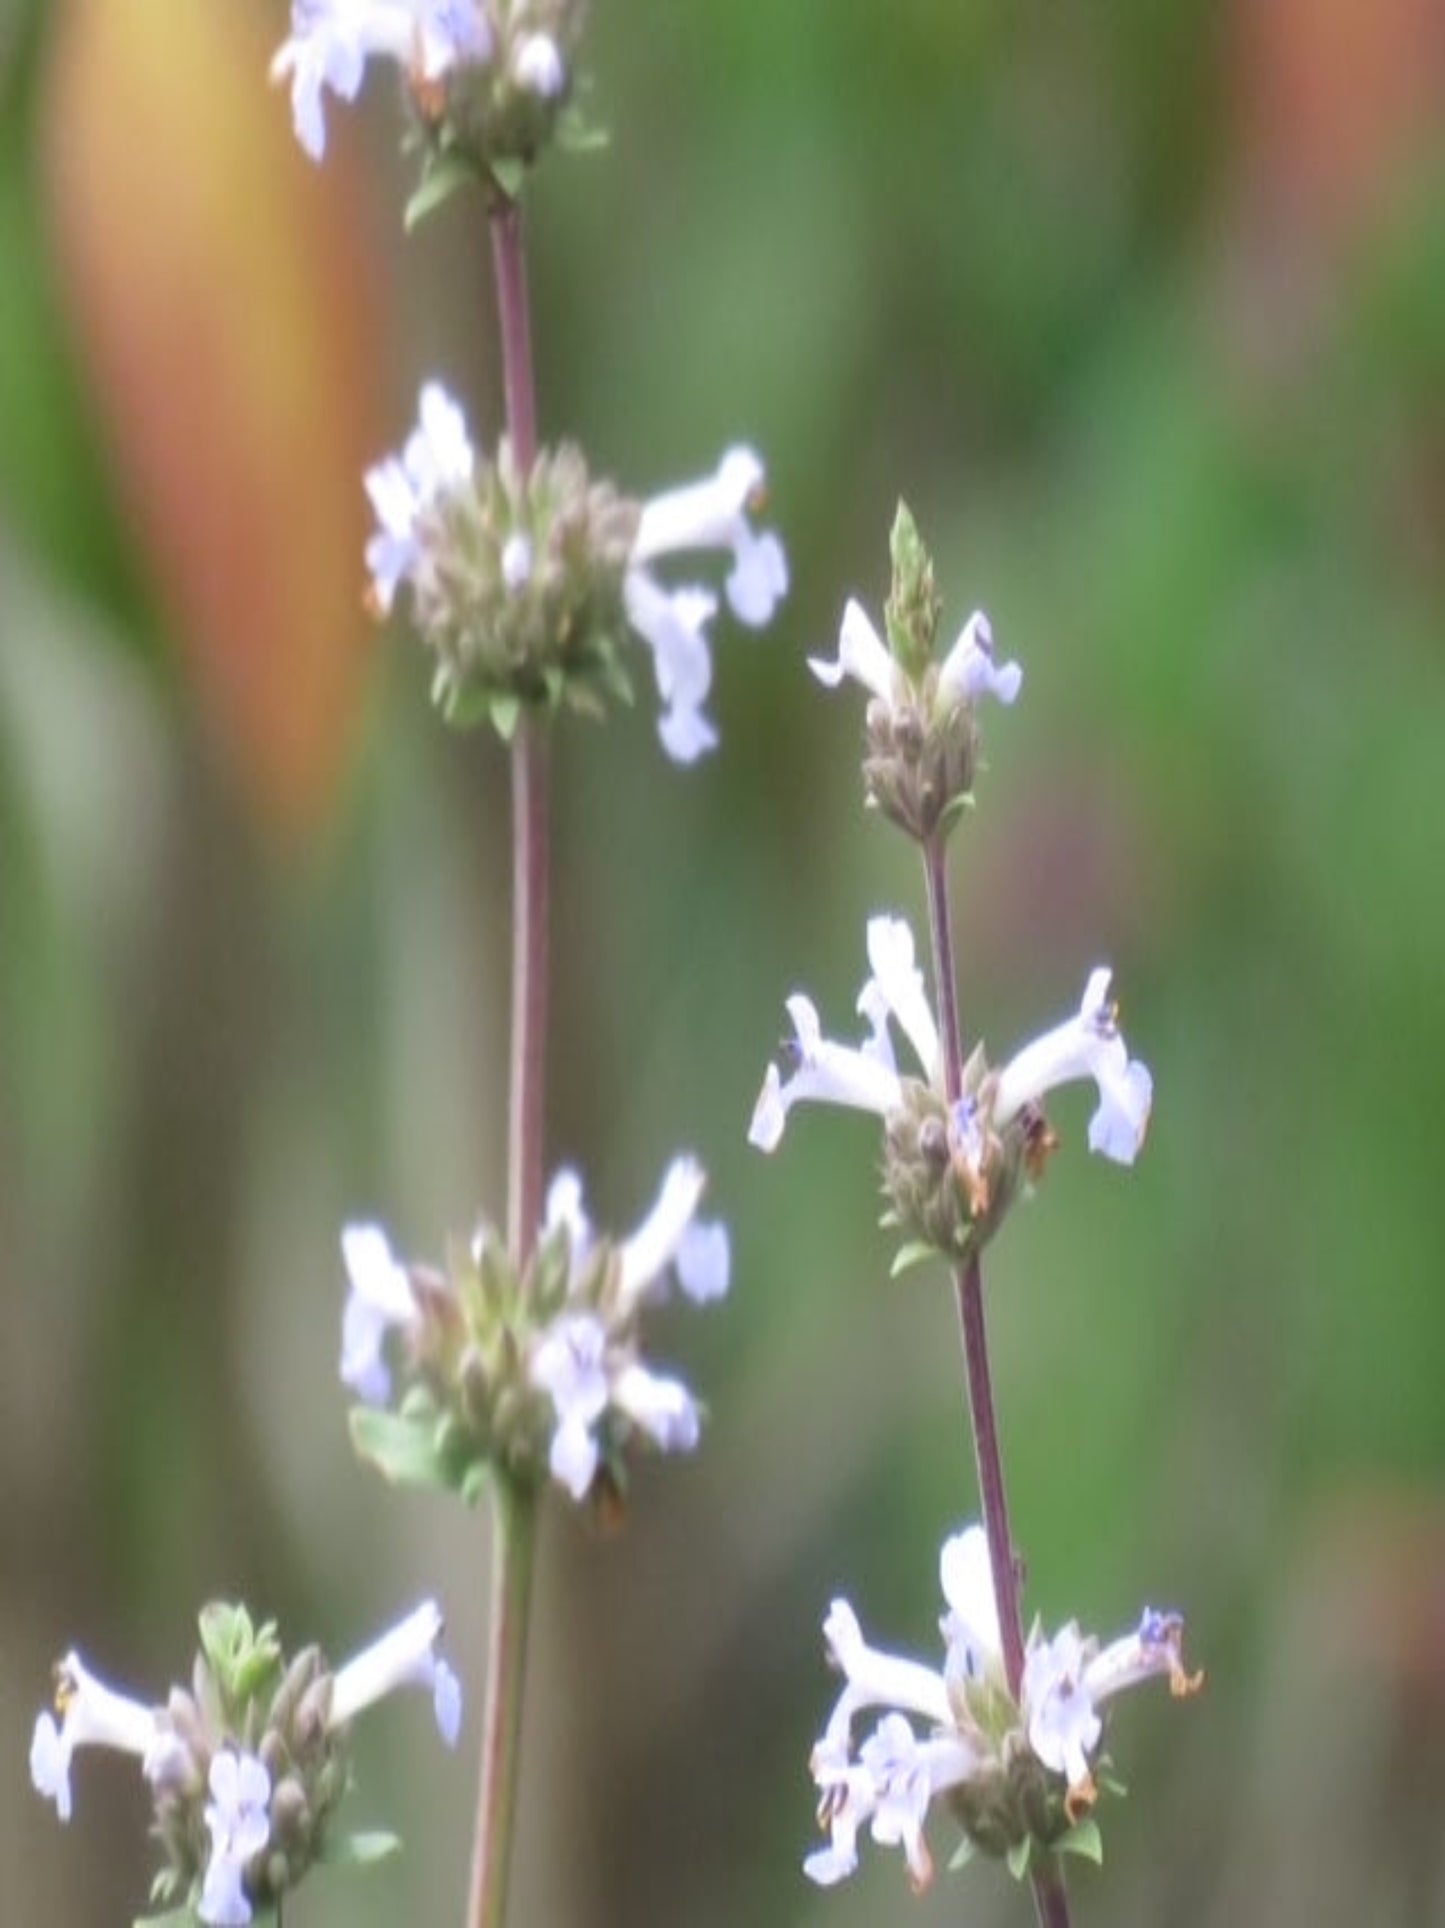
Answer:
(1050, 1901)
(514, 1507)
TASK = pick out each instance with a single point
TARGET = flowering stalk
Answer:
(514, 1542)
(1049, 1898)
(513, 1504)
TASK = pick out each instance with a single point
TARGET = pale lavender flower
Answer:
(1087, 1045)
(673, 624)
(404, 1656)
(91, 1715)
(570, 1365)
(864, 1077)
(437, 460)
(713, 514)
(332, 40)
(238, 1820)
(970, 671)
(379, 1301)
(710, 514)
(888, 1781)
(588, 1364)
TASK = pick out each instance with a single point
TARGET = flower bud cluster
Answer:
(952, 1171)
(1016, 1773)
(527, 1372)
(921, 726)
(498, 114)
(516, 581)
(487, 79)
(523, 587)
(248, 1765)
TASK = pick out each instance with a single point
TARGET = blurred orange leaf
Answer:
(219, 302)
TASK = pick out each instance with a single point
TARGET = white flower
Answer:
(895, 1774)
(437, 460)
(238, 1820)
(380, 1298)
(587, 1364)
(91, 1715)
(537, 66)
(1085, 1046)
(405, 1656)
(890, 1779)
(968, 671)
(569, 1363)
(673, 624)
(862, 654)
(670, 1239)
(332, 40)
(970, 1627)
(1063, 1727)
(711, 514)
(661, 1406)
(864, 1077)
(1152, 1651)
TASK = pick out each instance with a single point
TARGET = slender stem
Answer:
(935, 865)
(968, 1285)
(530, 866)
(514, 1508)
(530, 815)
(509, 259)
(1050, 1901)
(514, 1516)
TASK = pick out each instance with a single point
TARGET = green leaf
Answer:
(577, 134)
(505, 710)
(400, 1449)
(509, 174)
(174, 1918)
(439, 182)
(1084, 1840)
(915, 1252)
(965, 1852)
(362, 1849)
(1018, 1857)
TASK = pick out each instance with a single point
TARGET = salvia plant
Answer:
(513, 1365)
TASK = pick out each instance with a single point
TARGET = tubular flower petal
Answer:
(862, 654)
(380, 1299)
(673, 624)
(713, 514)
(969, 670)
(864, 1077)
(653, 1248)
(970, 1627)
(823, 1071)
(404, 1656)
(1088, 1045)
(91, 1715)
(238, 1821)
(1064, 1728)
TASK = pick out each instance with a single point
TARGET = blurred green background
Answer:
(1143, 308)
